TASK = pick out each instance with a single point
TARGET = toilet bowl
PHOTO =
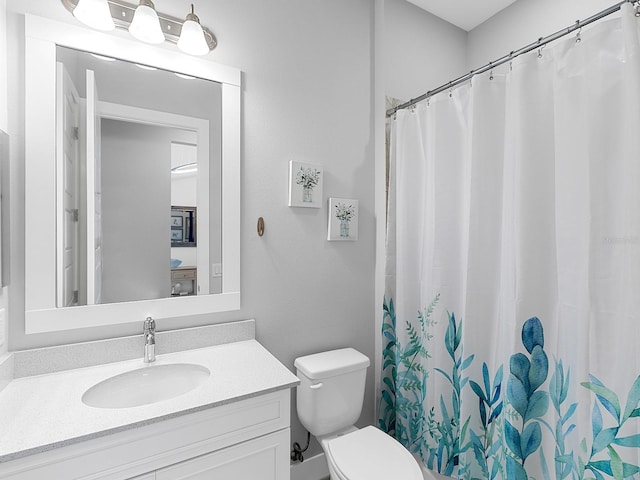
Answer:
(329, 402)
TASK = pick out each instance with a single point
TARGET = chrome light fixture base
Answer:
(122, 14)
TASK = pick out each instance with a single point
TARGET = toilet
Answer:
(329, 402)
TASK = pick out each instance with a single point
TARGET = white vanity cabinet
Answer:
(245, 439)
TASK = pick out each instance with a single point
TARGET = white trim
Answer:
(41, 37)
(314, 468)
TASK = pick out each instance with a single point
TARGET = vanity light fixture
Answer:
(145, 23)
(95, 14)
(192, 39)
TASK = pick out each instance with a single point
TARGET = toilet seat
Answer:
(371, 454)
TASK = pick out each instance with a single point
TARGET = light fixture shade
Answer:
(94, 14)
(192, 39)
(146, 25)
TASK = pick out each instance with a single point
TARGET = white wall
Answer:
(3, 126)
(307, 96)
(523, 23)
(421, 51)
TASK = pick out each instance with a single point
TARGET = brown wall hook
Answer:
(260, 226)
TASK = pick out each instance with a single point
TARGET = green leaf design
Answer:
(606, 394)
(616, 464)
(632, 400)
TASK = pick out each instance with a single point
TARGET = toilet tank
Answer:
(331, 391)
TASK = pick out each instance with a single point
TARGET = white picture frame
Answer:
(305, 185)
(343, 219)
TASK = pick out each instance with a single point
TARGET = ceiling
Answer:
(466, 14)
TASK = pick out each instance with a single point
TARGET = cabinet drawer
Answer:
(183, 274)
(265, 458)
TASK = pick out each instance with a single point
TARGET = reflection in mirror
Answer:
(135, 160)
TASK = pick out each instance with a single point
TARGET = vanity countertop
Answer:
(44, 412)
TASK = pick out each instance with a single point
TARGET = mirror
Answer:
(124, 171)
(151, 143)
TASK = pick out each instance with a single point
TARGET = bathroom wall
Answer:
(420, 50)
(523, 23)
(307, 96)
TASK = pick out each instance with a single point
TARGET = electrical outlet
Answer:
(216, 269)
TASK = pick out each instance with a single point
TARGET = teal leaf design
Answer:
(596, 420)
(532, 334)
(631, 441)
(497, 382)
(629, 470)
(515, 471)
(478, 391)
(607, 398)
(600, 466)
(603, 439)
(632, 400)
(530, 440)
(519, 366)
(512, 436)
(496, 412)
(517, 394)
(538, 406)
(539, 368)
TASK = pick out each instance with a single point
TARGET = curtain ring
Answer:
(579, 27)
(540, 50)
(450, 89)
(490, 70)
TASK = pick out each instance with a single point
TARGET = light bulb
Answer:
(192, 39)
(145, 25)
(95, 14)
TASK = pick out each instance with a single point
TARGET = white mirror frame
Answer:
(41, 38)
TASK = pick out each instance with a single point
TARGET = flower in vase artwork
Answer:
(343, 219)
(305, 185)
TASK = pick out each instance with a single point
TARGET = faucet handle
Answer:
(149, 325)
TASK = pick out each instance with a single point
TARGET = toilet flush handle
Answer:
(315, 386)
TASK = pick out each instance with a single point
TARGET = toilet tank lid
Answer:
(334, 362)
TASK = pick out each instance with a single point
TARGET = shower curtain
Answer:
(512, 301)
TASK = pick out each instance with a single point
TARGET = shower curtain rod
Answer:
(542, 41)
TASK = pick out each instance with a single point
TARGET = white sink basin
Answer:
(146, 385)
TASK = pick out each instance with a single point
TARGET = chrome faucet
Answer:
(149, 340)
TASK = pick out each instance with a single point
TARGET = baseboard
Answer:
(314, 468)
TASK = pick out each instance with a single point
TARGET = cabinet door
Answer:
(264, 458)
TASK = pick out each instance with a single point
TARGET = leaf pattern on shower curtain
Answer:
(506, 434)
